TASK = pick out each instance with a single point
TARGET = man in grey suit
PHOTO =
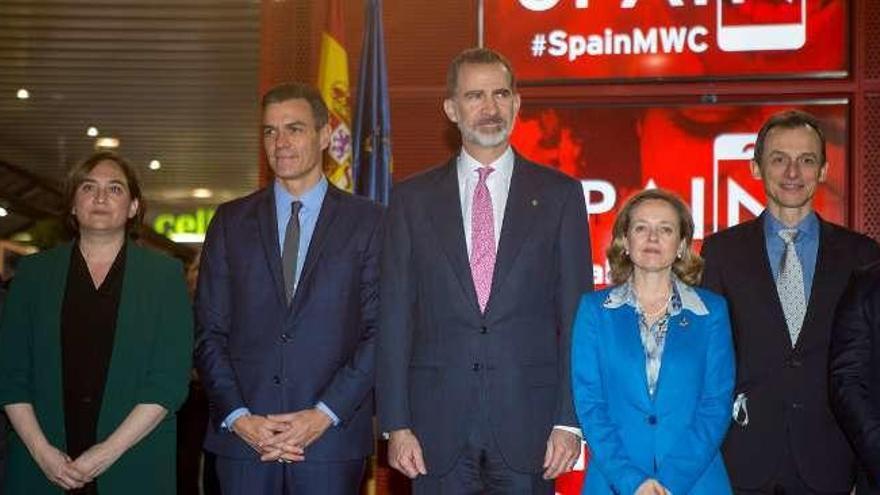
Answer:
(484, 260)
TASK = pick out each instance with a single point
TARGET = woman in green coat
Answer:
(95, 346)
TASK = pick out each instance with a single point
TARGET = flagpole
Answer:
(481, 19)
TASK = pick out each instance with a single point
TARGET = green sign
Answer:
(197, 222)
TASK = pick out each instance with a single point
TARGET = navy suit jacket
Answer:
(438, 353)
(255, 351)
(855, 371)
(786, 388)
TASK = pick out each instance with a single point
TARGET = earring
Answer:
(679, 255)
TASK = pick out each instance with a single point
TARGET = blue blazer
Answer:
(674, 438)
(255, 351)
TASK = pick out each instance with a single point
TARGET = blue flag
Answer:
(371, 163)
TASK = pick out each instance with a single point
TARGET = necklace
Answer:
(652, 314)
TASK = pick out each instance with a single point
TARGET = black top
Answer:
(88, 325)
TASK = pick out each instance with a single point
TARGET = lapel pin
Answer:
(683, 322)
(534, 202)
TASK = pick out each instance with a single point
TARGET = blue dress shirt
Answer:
(806, 245)
(308, 219)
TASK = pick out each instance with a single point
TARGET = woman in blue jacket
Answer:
(652, 361)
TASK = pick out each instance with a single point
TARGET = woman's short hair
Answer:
(77, 175)
(689, 268)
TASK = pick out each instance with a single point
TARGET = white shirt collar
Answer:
(503, 165)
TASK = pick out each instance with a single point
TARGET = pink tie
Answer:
(482, 239)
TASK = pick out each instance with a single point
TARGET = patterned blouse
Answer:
(654, 336)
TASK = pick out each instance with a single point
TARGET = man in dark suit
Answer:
(287, 303)
(4, 421)
(855, 372)
(484, 261)
(782, 275)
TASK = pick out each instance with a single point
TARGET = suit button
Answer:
(794, 362)
(652, 420)
(476, 367)
(796, 405)
(484, 329)
(285, 337)
(276, 380)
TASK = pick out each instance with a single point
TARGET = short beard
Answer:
(485, 140)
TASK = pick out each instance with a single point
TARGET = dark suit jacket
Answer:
(437, 352)
(4, 421)
(150, 364)
(787, 389)
(254, 351)
(855, 371)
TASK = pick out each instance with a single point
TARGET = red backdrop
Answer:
(616, 39)
(699, 151)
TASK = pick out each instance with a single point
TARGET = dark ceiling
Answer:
(175, 81)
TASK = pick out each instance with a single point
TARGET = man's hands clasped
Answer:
(282, 437)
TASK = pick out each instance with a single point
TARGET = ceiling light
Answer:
(202, 193)
(155, 165)
(3, 211)
(106, 143)
(23, 94)
(92, 131)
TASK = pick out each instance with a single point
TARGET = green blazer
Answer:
(150, 363)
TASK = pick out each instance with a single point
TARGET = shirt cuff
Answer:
(570, 429)
(230, 420)
(324, 408)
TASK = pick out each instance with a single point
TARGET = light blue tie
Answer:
(790, 286)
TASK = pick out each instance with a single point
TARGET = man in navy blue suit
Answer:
(484, 261)
(854, 362)
(782, 275)
(287, 303)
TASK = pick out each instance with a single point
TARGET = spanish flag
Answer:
(333, 84)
